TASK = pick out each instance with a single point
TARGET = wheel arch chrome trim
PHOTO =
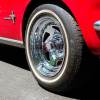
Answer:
(97, 25)
(12, 42)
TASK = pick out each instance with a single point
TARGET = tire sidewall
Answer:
(69, 71)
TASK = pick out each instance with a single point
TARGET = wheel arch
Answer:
(83, 17)
(31, 6)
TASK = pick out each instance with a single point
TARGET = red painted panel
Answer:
(86, 13)
(7, 27)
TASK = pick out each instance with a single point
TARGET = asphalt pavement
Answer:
(17, 82)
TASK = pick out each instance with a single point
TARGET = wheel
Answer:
(53, 47)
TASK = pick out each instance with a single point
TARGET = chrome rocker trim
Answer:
(11, 42)
(97, 25)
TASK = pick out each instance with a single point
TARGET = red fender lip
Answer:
(87, 12)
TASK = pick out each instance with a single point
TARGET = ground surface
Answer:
(17, 82)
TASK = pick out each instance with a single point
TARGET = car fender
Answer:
(87, 12)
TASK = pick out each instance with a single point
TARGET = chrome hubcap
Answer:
(47, 46)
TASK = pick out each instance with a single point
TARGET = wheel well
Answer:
(33, 4)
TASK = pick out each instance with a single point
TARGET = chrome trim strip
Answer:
(97, 25)
(11, 42)
(11, 17)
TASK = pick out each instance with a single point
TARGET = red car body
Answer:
(86, 12)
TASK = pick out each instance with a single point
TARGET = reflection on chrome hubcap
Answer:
(47, 46)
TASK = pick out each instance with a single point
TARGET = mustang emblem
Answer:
(11, 17)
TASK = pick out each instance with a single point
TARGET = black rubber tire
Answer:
(75, 48)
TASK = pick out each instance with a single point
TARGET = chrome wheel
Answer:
(54, 47)
(47, 46)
